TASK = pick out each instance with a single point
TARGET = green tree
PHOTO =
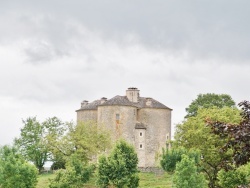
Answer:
(209, 100)
(32, 142)
(79, 146)
(187, 176)
(15, 172)
(120, 168)
(85, 139)
(194, 133)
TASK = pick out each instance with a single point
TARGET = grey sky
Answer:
(54, 54)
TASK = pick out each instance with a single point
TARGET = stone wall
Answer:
(140, 146)
(158, 123)
(124, 127)
(87, 115)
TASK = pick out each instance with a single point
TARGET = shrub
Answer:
(187, 175)
(15, 171)
(120, 168)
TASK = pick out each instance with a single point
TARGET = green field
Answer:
(147, 180)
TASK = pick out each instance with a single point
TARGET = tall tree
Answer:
(194, 134)
(15, 171)
(207, 101)
(32, 143)
(34, 137)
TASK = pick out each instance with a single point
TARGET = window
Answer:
(117, 117)
(140, 133)
(140, 146)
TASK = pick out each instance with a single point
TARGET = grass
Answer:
(43, 180)
(149, 180)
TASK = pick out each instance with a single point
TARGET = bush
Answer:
(232, 178)
(187, 175)
(76, 174)
(15, 171)
(171, 157)
(120, 168)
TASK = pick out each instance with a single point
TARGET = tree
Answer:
(237, 135)
(186, 174)
(194, 134)
(79, 146)
(15, 171)
(120, 168)
(86, 139)
(207, 101)
(32, 143)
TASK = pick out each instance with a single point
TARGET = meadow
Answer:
(147, 180)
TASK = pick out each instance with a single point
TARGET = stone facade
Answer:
(143, 122)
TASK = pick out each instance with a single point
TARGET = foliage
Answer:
(15, 171)
(86, 140)
(171, 157)
(237, 135)
(186, 174)
(194, 134)
(209, 100)
(120, 168)
(76, 174)
(78, 147)
(232, 178)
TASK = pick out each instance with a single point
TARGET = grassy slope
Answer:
(146, 180)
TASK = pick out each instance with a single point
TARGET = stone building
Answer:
(143, 122)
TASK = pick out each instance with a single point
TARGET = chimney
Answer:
(133, 94)
(148, 101)
(103, 100)
(84, 103)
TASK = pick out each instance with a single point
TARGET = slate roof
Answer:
(119, 100)
(123, 101)
(90, 106)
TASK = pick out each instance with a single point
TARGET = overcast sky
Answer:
(56, 53)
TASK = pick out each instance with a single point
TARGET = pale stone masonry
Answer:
(143, 122)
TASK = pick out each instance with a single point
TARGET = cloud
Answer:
(204, 29)
(54, 54)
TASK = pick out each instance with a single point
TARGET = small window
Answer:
(140, 146)
(117, 116)
(140, 133)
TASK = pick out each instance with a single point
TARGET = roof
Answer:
(119, 100)
(124, 101)
(91, 106)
